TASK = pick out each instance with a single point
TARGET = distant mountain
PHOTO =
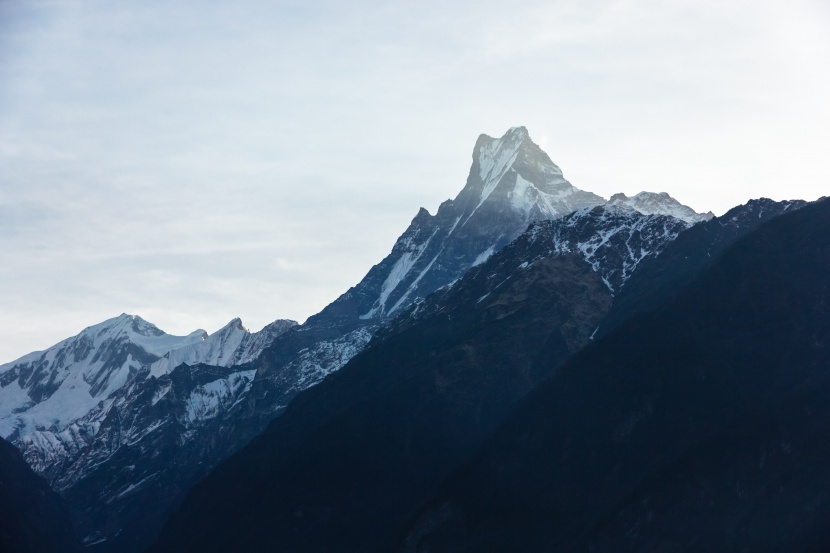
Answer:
(660, 203)
(48, 389)
(33, 518)
(700, 426)
(52, 402)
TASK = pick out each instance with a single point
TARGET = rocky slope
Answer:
(700, 426)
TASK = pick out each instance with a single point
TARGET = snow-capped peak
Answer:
(233, 344)
(515, 154)
(511, 183)
(49, 388)
(140, 332)
(514, 174)
(659, 203)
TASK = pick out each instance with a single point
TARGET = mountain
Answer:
(127, 461)
(48, 389)
(699, 426)
(33, 518)
(70, 408)
(660, 203)
(688, 256)
(52, 402)
(351, 458)
(512, 183)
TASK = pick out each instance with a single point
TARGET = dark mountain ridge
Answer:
(350, 460)
(700, 426)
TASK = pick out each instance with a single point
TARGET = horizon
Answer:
(193, 165)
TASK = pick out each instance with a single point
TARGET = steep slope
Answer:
(351, 458)
(512, 183)
(54, 387)
(702, 426)
(688, 256)
(33, 519)
(53, 403)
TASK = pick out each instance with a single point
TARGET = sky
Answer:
(191, 162)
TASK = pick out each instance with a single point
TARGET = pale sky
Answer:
(191, 162)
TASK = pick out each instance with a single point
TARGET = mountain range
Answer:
(359, 414)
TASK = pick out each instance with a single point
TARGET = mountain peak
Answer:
(659, 203)
(514, 173)
(511, 183)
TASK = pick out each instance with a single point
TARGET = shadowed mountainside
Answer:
(702, 426)
(33, 518)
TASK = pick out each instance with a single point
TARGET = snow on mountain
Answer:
(613, 240)
(233, 344)
(52, 403)
(653, 203)
(511, 183)
(48, 389)
(172, 410)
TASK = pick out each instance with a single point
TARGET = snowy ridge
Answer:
(53, 404)
(511, 183)
(613, 240)
(653, 203)
(49, 389)
(131, 418)
(233, 344)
